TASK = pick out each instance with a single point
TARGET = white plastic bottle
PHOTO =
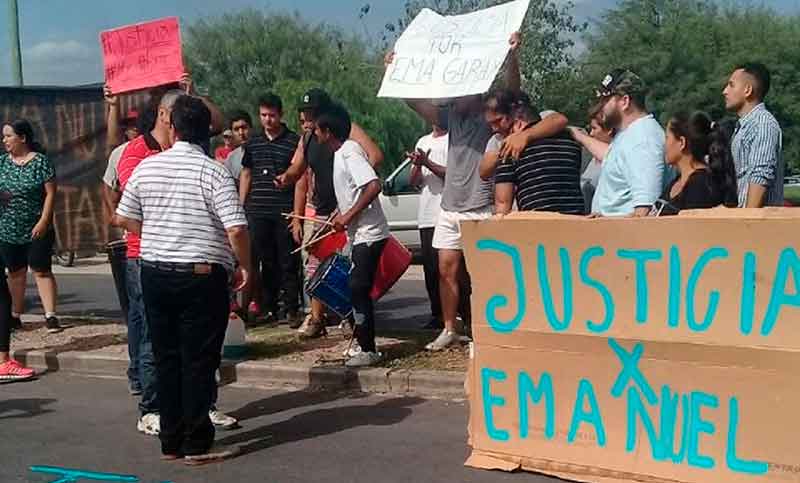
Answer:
(235, 342)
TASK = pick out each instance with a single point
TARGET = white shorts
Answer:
(447, 235)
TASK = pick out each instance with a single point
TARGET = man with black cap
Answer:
(319, 157)
(634, 172)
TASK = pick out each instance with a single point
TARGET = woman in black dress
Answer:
(700, 152)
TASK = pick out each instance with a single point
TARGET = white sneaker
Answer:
(445, 339)
(149, 424)
(222, 420)
(364, 359)
(353, 351)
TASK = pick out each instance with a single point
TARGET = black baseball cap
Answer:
(314, 100)
(621, 82)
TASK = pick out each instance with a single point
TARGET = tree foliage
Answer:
(686, 49)
(240, 56)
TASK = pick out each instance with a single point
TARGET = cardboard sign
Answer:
(442, 57)
(661, 349)
(142, 55)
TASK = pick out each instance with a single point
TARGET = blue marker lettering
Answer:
(748, 293)
(527, 388)
(669, 417)
(490, 400)
(547, 294)
(674, 287)
(733, 461)
(630, 370)
(593, 417)
(497, 301)
(691, 285)
(587, 257)
(787, 261)
(697, 426)
(636, 406)
(641, 257)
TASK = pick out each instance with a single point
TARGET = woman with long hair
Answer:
(700, 151)
(28, 185)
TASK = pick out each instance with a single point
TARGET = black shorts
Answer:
(38, 254)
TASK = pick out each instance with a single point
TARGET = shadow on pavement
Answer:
(322, 422)
(286, 401)
(24, 408)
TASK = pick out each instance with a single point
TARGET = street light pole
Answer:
(16, 52)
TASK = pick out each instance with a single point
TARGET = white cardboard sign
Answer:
(442, 57)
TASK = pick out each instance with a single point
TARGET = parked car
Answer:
(400, 202)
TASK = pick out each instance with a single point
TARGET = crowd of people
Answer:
(199, 231)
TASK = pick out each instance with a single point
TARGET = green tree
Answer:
(239, 57)
(686, 49)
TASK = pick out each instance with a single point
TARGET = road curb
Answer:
(260, 374)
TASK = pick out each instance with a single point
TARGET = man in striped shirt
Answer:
(758, 142)
(546, 177)
(185, 207)
(265, 157)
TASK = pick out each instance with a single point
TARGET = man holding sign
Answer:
(466, 196)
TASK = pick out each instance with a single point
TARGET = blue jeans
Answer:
(140, 344)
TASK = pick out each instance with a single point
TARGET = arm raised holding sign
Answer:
(217, 118)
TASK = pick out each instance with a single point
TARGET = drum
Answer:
(331, 285)
(328, 245)
(394, 262)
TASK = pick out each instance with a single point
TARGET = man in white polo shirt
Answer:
(186, 209)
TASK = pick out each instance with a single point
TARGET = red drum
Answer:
(328, 246)
(394, 262)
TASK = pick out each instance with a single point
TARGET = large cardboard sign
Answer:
(662, 349)
(142, 55)
(441, 57)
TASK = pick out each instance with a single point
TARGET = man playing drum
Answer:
(357, 188)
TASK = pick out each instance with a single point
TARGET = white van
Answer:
(400, 202)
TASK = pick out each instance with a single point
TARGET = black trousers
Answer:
(188, 315)
(5, 311)
(272, 247)
(365, 264)
(430, 265)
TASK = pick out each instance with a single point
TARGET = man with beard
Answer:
(634, 172)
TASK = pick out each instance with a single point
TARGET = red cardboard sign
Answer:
(142, 55)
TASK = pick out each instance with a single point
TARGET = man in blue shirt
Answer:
(758, 142)
(634, 172)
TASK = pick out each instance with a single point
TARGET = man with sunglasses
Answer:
(634, 172)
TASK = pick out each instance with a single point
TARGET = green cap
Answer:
(621, 82)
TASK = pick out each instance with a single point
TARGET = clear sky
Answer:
(60, 37)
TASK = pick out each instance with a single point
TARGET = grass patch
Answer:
(404, 349)
(792, 195)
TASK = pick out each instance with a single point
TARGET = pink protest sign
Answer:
(142, 55)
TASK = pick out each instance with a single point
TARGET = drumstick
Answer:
(307, 218)
(315, 240)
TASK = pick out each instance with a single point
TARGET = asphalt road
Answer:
(88, 290)
(89, 424)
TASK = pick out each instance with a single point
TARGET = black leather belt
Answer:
(195, 268)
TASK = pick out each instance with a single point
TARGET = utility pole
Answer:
(16, 51)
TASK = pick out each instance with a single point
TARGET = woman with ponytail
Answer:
(701, 155)
(28, 192)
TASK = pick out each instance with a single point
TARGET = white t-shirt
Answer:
(111, 176)
(430, 200)
(234, 163)
(351, 172)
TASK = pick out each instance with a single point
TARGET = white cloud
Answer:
(62, 63)
(57, 51)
